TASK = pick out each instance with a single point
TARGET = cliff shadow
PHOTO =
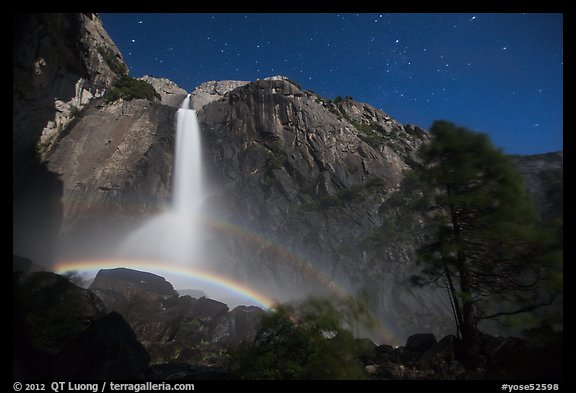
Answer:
(46, 65)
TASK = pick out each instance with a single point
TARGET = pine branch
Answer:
(520, 310)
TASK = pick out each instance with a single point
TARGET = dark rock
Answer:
(134, 285)
(206, 309)
(194, 293)
(247, 321)
(384, 349)
(108, 349)
(161, 326)
(420, 342)
(148, 302)
(443, 351)
(238, 325)
(55, 310)
(501, 349)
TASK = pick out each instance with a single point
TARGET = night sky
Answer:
(495, 73)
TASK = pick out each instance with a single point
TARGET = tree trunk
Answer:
(468, 328)
(468, 319)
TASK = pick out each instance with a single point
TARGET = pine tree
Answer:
(483, 237)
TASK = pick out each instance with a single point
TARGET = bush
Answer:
(303, 342)
(129, 88)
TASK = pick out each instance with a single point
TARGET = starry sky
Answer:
(495, 73)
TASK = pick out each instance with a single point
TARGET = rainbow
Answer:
(93, 265)
(281, 252)
(237, 231)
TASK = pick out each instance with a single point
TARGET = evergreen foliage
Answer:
(129, 88)
(306, 341)
(483, 238)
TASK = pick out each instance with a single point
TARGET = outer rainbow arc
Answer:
(158, 267)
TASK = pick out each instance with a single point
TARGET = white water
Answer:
(188, 189)
(175, 236)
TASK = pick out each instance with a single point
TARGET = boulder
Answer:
(443, 351)
(384, 349)
(133, 285)
(107, 349)
(238, 325)
(55, 311)
(147, 301)
(246, 322)
(206, 309)
(420, 342)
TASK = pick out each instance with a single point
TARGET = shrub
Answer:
(129, 88)
(307, 341)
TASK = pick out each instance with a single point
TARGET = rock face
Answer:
(306, 178)
(58, 63)
(115, 162)
(212, 91)
(543, 176)
(170, 93)
(57, 67)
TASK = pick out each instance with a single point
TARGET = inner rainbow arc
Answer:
(156, 267)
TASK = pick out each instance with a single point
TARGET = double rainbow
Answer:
(232, 230)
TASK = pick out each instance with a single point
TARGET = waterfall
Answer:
(175, 236)
(188, 190)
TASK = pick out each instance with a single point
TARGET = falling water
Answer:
(175, 236)
(188, 190)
